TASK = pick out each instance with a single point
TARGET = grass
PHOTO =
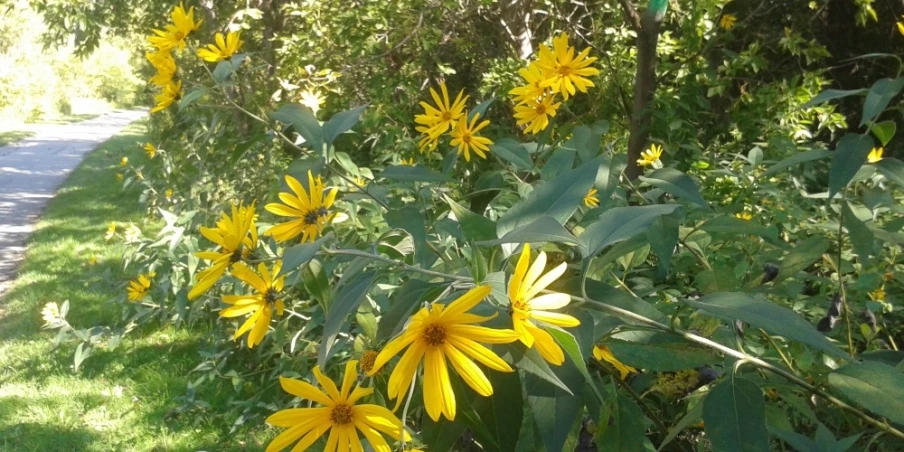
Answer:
(122, 398)
(68, 119)
(12, 136)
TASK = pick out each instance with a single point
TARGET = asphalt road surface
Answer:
(31, 170)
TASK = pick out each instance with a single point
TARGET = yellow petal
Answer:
(547, 346)
(349, 379)
(326, 383)
(469, 371)
(550, 301)
(554, 318)
(520, 270)
(545, 281)
(466, 301)
(304, 390)
(438, 395)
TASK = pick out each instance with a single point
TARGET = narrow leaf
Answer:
(677, 183)
(345, 302)
(850, 154)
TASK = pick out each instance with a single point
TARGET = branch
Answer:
(631, 15)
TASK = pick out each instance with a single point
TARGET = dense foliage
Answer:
(349, 192)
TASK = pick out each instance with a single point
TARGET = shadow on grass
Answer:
(44, 437)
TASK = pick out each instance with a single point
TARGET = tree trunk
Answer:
(644, 88)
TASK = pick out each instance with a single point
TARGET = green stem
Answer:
(843, 293)
(775, 346)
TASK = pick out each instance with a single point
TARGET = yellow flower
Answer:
(111, 231)
(428, 142)
(119, 177)
(260, 304)
(309, 208)
(359, 182)
(311, 99)
(163, 61)
(138, 288)
(168, 194)
(124, 161)
(50, 313)
(92, 260)
(436, 334)
(536, 113)
(232, 236)
(224, 48)
(443, 117)
(875, 155)
(407, 162)
(878, 294)
(533, 88)
(526, 306)
(339, 415)
(167, 96)
(728, 21)
(133, 233)
(900, 27)
(175, 33)
(590, 199)
(139, 175)
(465, 137)
(150, 150)
(651, 157)
(744, 215)
(567, 70)
(602, 353)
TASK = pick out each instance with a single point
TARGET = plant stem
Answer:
(843, 293)
(396, 263)
(775, 346)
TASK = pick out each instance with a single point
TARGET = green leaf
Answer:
(298, 255)
(768, 316)
(316, 283)
(734, 416)
(621, 223)
(585, 140)
(191, 97)
(873, 385)
(562, 160)
(733, 225)
(407, 173)
(884, 131)
(808, 156)
(572, 350)
(799, 442)
(442, 436)
(340, 123)
(880, 94)
(892, 358)
(663, 237)
(628, 429)
(606, 294)
(831, 94)
(544, 229)
(677, 183)
(303, 121)
(405, 301)
(481, 108)
(530, 361)
(346, 301)
(474, 227)
(558, 198)
(410, 219)
(861, 237)
(850, 154)
(694, 414)
(892, 169)
(801, 257)
(513, 152)
(82, 352)
(503, 411)
(223, 70)
(555, 413)
(661, 352)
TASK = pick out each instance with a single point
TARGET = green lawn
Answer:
(12, 136)
(121, 399)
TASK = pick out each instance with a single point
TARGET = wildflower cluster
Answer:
(172, 37)
(556, 72)
(451, 117)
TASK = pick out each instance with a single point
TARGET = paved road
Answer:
(31, 170)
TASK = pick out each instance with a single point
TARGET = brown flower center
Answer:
(368, 359)
(541, 109)
(310, 218)
(179, 35)
(271, 296)
(236, 256)
(435, 335)
(466, 138)
(341, 414)
(565, 71)
(447, 116)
